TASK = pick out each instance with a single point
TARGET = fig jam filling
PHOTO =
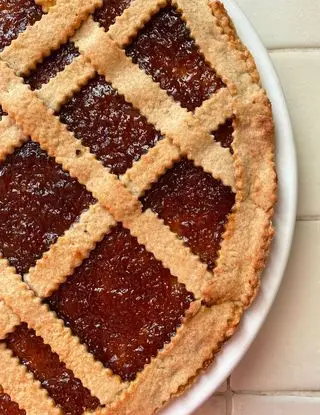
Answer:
(8, 407)
(106, 15)
(165, 50)
(61, 384)
(113, 130)
(51, 65)
(1, 113)
(39, 202)
(224, 134)
(15, 16)
(122, 303)
(194, 205)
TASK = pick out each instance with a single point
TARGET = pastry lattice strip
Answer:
(8, 297)
(21, 301)
(23, 305)
(161, 252)
(59, 143)
(123, 34)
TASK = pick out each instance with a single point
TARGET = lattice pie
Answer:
(137, 187)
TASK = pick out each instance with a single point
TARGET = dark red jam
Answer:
(15, 16)
(8, 407)
(224, 134)
(61, 384)
(1, 113)
(194, 205)
(39, 202)
(165, 50)
(115, 131)
(106, 15)
(51, 65)
(122, 303)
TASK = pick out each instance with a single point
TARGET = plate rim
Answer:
(284, 222)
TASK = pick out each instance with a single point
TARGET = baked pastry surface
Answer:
(137, 188)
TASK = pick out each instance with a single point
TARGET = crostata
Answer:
(137, 188)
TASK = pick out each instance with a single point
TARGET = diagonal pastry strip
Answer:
(213, 112)
(237, 273)
(127, 25)
(50, 32)
(251, 184)
(23, 302)
(38, 122)
(75, 245)
(11, 137)
(212, 43)
(45, 4)
(60, 88)
(150, 167)
(23, 388)
(218, 323)
(155, 104)
(8, 320)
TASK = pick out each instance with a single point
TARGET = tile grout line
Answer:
(293, 49)
(228, 394)
(308, 218)
(290, 393)
(300, 218)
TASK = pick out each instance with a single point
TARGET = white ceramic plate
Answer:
(284, 223)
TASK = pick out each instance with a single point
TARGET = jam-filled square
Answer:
(122, 303)
(224, 134)
(115, 132)
(52, 65)
(62, 386)
(39, 202)
(165, 50)
(2, 113)
(106, 14)
(194, 205)
(8, 406)
(15, 17)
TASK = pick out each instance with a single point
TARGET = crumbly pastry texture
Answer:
(220, 295)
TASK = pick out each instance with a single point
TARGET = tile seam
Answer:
(310, 218)
(305, 49)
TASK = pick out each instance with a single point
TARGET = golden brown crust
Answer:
(237, 273)
(132, 19)
(47, 34)
(250, 171)
(154, 103)
(23, 388)
(38, 122)
(214, 111)
(23, 302)
(224, 21)
(11, 137)
(8, 320)
(171, 251)
(45, 4)
(150, 167)
(211, 40)
(173, 364)
(60, 88)
(69, 251)
(254, 152)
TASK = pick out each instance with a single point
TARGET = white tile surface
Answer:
(285, 23)
(275, 405)
(214, 406)
(299, 73)
(286, 353)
